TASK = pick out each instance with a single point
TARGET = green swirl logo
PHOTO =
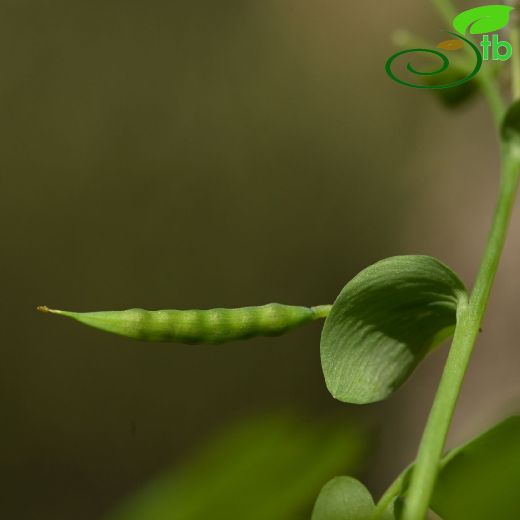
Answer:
(478, 20)
(445, 63)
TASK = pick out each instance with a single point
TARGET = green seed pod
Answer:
(199, 326)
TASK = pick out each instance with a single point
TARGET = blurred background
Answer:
(168, 154)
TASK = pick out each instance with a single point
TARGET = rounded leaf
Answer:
(481, 479)
(343, 498)
(384, 322)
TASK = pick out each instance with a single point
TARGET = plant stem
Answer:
(321, 311)
(470, 315)
(446, 9)
(514, 35)
(492, 94)
(390, 494)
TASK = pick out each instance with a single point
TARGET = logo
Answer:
(484, 21)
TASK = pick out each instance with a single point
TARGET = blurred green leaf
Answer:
(343, 498)
(481, 480)
(510, 128)
(456, 96)
(384, 322)
(265, 468)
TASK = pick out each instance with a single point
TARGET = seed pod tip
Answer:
(44, 308)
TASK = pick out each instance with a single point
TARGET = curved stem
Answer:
(390, 495)
(514, 35)
(492, 93)
(469, 318)
(470, 314)
(446, 9)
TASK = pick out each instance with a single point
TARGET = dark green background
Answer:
(196, 154)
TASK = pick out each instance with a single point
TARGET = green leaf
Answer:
(510, 128)
(510, 133)
(343, 498)
(481, 480)
(456, 96)
(484, 19)
(263, 468)
(384, 322)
